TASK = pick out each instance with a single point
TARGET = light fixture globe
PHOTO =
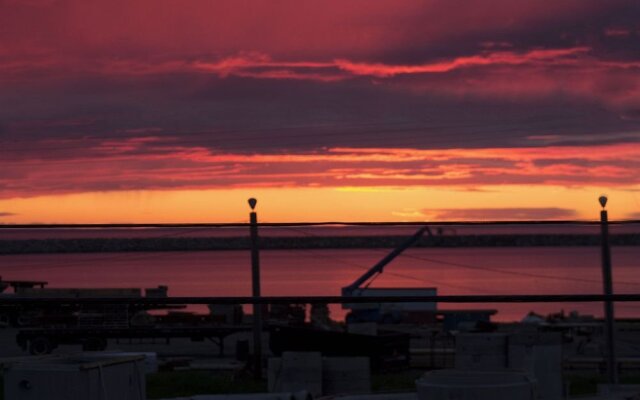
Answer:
(252, 203)
(603, 201)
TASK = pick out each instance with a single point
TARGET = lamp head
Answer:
(603, 201)
(252, 203)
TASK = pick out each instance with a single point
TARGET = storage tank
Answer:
(476, 385)
(538, 354)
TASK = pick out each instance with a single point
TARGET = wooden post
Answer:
(607, 282)
(255, 291)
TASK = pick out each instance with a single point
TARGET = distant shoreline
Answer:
(108, 245)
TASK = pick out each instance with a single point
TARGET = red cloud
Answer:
(547, 56)
(156, 63)
(151, 163)
(487, 73)
(258, 65)
(617, 32)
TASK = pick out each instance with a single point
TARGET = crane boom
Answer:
(379, 267)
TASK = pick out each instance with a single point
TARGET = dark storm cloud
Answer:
(564, 24)
(583, 163)
(268, 115)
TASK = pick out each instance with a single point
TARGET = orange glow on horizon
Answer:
(195, 184)
(315, 204)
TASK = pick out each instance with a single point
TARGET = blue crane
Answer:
(357, 288)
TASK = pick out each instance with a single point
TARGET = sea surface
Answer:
(463, 271)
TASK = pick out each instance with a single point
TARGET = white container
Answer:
(296, 371)
(540, 355)
(76, 377)
(252, 396)
(390, 307)
(342, 375)
(481, 351)
(150, 361)
(385, 396)
(363, 328)
(475, 385)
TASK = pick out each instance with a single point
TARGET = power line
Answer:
(203, 225)
(115, 257)
(519, 273)
(497, 270)
(459, 299)
(404, 276)
(128, 257)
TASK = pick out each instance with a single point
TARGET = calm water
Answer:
(325, 272)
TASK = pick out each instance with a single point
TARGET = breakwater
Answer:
(106, 245)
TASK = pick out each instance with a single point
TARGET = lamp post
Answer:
(607, 282)
(255, 291)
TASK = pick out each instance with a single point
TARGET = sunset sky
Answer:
(398, 110)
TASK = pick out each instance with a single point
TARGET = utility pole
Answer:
(255, 291)
(607, 282)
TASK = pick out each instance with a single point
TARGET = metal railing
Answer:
(524, 298)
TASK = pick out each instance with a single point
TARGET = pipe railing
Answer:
(525, 298)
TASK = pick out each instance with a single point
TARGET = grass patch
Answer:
(190, 383)
(583, 384)
(400, 381)
(587, 383)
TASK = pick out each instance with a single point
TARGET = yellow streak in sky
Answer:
(309, 204)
